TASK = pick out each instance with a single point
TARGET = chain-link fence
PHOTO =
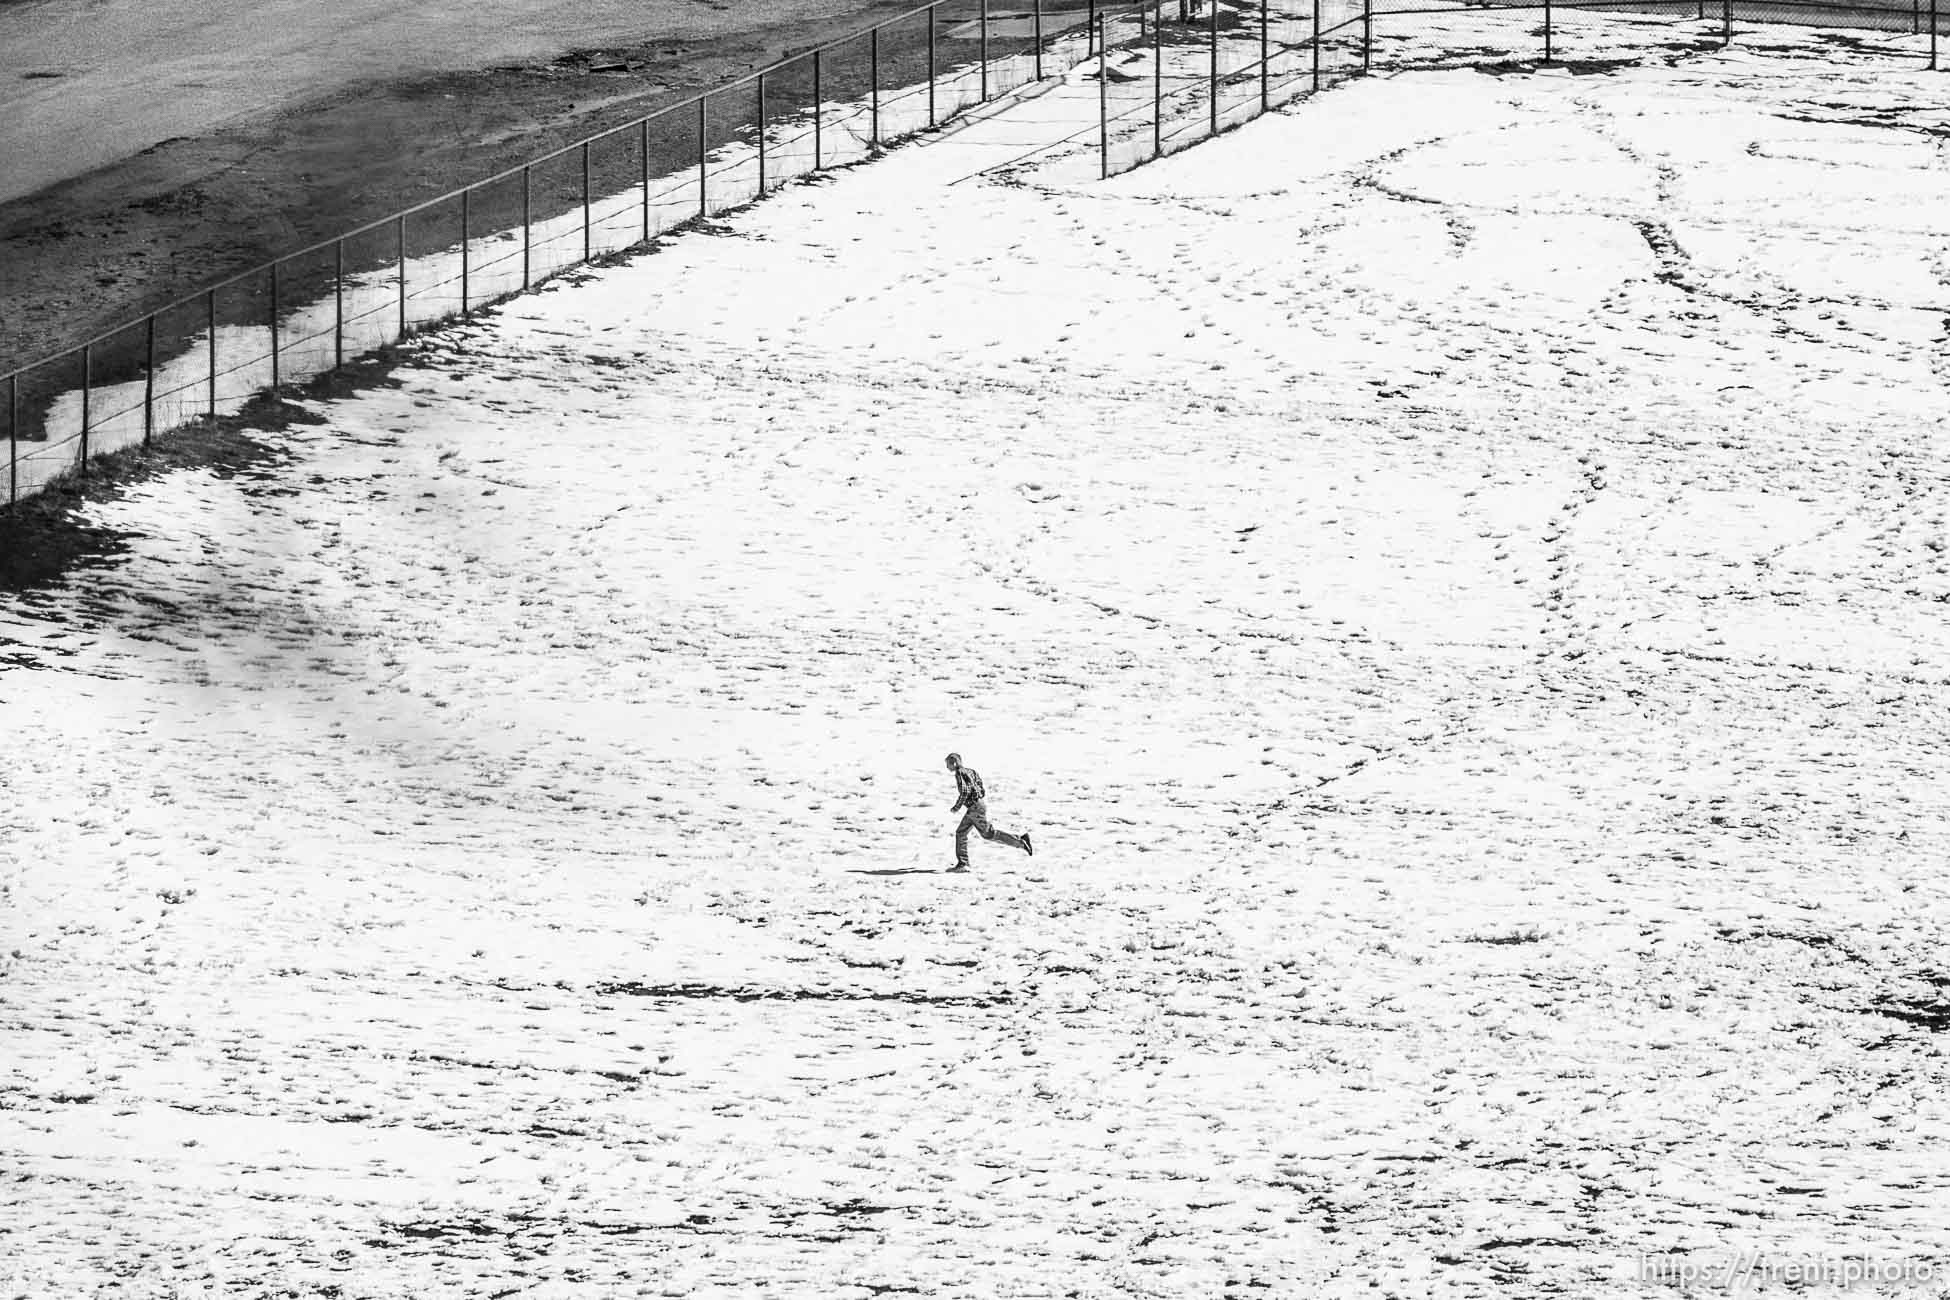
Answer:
(1170, 72)
(310, 312)
(1178, 72)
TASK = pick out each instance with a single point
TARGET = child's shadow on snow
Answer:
(898, 871)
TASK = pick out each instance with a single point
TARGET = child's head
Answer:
(954, 762)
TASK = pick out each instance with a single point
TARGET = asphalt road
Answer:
(88, 83)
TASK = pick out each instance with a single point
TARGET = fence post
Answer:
(338, 304)
(464, 206)
(1726, 23)
(1103, 104)
(1549, 34)
(1316, 44)
(819, 115)
(1933, 27)
(643, 177)
(526, 239)
(985, 51)
(149, 384)
(275, 375)
(400, 240)
(1158, 82)
(1367, 36)
(13, 439)
(931, 110)
(873, 63)
(87, 382)
(1212, 40)
(210, 306)
(703, 163)
(761, 135)
(1265, 58)
(1038, 7)
(586, 233)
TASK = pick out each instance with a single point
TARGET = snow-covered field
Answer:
(1451, 573)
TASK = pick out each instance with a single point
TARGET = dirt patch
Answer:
(103, 249)
(706, 992)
